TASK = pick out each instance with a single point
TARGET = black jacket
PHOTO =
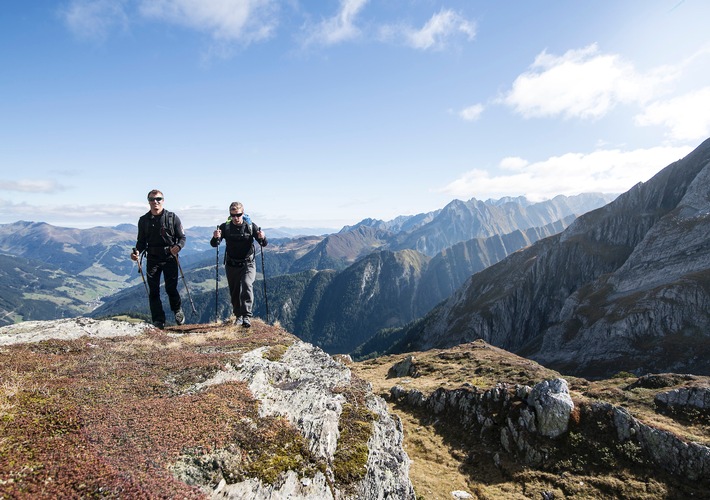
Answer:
(157, 233)
(239, 239)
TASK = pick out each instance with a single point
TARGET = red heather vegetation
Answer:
(108, 418)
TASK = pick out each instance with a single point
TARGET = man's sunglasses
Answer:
(155, 198)
(236, 214)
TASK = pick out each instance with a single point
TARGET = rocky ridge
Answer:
(350, 438)
(303, 386)
(625, 287)
(526, 422)
(516, 429)
(536, 418)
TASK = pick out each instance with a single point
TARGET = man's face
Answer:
(156, 202)
(236, 212)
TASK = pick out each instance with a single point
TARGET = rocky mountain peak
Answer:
(611, 292)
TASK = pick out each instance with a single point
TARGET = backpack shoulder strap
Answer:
(170, 220)
(168, 227)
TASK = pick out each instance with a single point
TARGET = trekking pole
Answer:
(194, 311)
(216, 288)
(263, 272)
(140, 270)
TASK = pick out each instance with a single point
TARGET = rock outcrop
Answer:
(533, 424)
(304, 386)
(67, 329)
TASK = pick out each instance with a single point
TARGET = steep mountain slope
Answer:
(450, 268)
(337, 251)
(339, 310)
(625, 287)
(375, 292)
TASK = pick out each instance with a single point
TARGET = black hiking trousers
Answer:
(169, 269)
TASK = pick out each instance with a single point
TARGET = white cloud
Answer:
(513, 163)
(226, 20)
(94, 19)
(436, 34)
(471, 113)
(338, 28)
(606, 171)
(687, 116)
(582, 83)
(71, 215)
(31, 186)
(439, 29)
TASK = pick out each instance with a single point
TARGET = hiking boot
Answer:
(245, 322)
(159, 324)
(179, 317)
(238, 321)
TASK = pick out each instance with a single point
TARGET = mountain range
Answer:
(303, 292)
(624, 287)
(339, 290)
(587, 285)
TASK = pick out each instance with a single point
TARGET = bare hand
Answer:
(217, 234)
(175, 249)
(134, 255)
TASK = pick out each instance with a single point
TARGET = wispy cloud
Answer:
(607, 171)
(242, 21)
(72, 215)
(472, 113)
(339, 28)
(94, 19)
(31, 186)
(248, 21)
(436, 33)
(687, 116)
(583, 83)
(225, 20)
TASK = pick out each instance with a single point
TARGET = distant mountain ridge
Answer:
(74, 250)
(340, 310)
(459, 221)
(289, 262)
(625, 287)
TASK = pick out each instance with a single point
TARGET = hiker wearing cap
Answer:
(239, 234)
(161, 237)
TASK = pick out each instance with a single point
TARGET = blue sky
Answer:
(322, 113)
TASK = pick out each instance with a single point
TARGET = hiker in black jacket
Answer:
(239, 234)
(161, 237)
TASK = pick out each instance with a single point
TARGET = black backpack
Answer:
(246, 228)
(246, 231)
(167, 229)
